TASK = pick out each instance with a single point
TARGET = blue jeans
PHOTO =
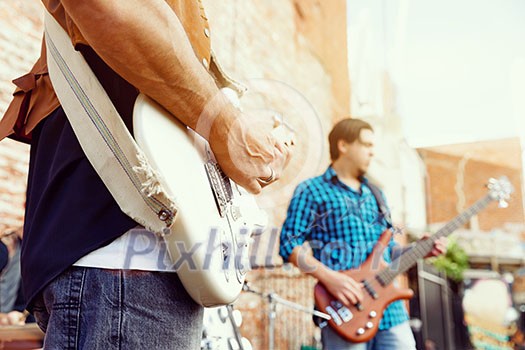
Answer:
(90, 308)
(399, 337)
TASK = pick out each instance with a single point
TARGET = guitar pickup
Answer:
(343, 312)
(370, 290)
(220, 186)
(335, 316)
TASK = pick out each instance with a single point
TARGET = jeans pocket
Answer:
(40, 313)
(41, 321)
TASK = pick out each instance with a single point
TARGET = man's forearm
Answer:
(145, 43)
(343, 287)
(308, 264)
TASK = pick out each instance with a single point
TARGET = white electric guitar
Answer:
(209, 241)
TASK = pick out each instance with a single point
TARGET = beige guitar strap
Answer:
(106, 141)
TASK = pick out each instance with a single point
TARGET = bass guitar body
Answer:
(359, 323)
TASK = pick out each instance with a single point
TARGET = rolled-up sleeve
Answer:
(295, 228)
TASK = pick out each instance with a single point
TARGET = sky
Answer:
(458, 67)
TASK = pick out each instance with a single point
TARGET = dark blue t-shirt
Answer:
(69, 211)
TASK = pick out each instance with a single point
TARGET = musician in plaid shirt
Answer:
(337, 213)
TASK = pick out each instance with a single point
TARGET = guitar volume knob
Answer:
(372, 314)
(360, 331)
(236, 212)
(369, 325)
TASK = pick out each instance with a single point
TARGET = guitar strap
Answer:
(103, 136)
(383, 209)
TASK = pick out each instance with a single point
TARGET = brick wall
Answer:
(455, 181)
(299, 47)
(20, 37)
(294, 67)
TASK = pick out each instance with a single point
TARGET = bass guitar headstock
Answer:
(500, 190)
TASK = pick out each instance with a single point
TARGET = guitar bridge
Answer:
(338, 311)
(220, 185)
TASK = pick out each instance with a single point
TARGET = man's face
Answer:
(360, 152)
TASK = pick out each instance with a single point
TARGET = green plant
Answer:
(453, 262)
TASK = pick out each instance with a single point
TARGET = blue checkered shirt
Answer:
(342, 227)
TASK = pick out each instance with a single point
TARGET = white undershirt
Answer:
(137, 249)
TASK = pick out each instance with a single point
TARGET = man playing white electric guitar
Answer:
(75, 235)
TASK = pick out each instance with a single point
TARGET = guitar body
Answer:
(356, 325)
(208, 242)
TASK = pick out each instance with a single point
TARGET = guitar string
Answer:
(385, 276)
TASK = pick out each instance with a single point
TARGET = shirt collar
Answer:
(330, 175)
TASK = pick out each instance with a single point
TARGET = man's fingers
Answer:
(284, 141)
(253, 186)
(287, 152)
(353, 291)
(282, 134)
(275, 169)
(441, 245)
(12, 318)
(355, 285)
(351, 298)
(357, 288)
(15, 318)
(358, 293)
(344, 300)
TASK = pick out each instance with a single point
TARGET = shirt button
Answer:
(207, 32)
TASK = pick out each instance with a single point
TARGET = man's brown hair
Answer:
(348, 130)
